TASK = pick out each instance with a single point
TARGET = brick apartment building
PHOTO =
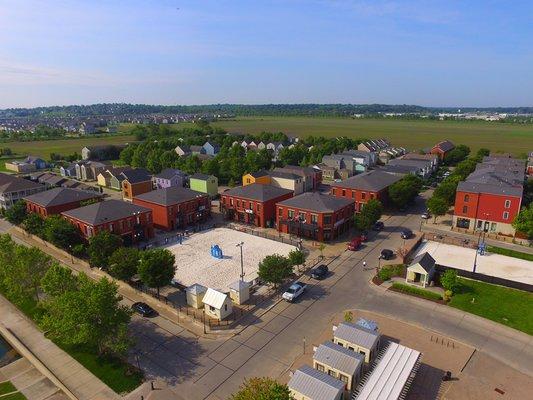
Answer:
(491, 196)
(57, 200)
(132, 222)
(253, 204)
(442, 149)
(366, 186)
(315, 216)
(175, 207)
(135, 182)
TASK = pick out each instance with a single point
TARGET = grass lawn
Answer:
(507, 306)
(416, 134)
(510, 253)
(3, 162)
(7, 387)
(14, 396)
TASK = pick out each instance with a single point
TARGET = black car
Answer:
(406, 233)
(144, 309)
(378, 226)
(387, 254)
(320, 272)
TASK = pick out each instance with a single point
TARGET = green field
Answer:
(416, 134)
(62, 146)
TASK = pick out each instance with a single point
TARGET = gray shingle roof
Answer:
(339, 358)
(315, 385)
(136, 175)
(260, 173)
(202, 177)
(425, 260)
(10, 183)
(59, 196)
(284, 175)
(295, 169)
(169, 173)
(318, 202)
(411, 162)
(445, 145)
(169, 196)
(356, 334)
(371, 180)
(105, 211)
(475, 187)
(258, 192)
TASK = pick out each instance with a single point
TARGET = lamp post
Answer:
(477, 250)
(242, 263)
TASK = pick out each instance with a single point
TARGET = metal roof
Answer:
(214, 298)
(391, 375)
(317, 202)
(425, 261)
(339, 358)
(170, 196)
(315, 385)
(357, 335)
(371, 180)
(59, 196)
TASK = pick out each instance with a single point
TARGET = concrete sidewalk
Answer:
(58, 365)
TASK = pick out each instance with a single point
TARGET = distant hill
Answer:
(115, 109)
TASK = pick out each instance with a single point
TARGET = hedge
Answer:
(388, 271)
(426, 294)
(510, 253)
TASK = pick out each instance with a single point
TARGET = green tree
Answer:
(457, 155)
(124, 262)
(448, 280)
(16, 213)
(404, 191)
(348, 316)
(274, 269)
(156, 268)
(296, 257)
(60, 232)
(33, 224)
(100, 248)
(262, 389)
(58, 280)
(437, 206)
(523, 222)
(369, 215)
(92, 315)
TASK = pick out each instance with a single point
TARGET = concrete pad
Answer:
(214, 378)
(238, 357)
(26, 379)
(246, 333)
(259, 339)
(40, 390)
(277, 324)
(16, 368)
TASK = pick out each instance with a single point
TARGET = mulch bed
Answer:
(376, 280)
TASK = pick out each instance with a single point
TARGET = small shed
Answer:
(217, 304)
(239, 291)
(358, 339)
(309, 384)
(340, 363)
(421, 270)
(195, 295)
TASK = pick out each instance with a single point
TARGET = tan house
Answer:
(358, 339)
(421, 270)
(309, 384)
(287, 180)
(340, 363)
(217, 304)
(195, 295)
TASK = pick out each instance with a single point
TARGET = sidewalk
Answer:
(49, 359)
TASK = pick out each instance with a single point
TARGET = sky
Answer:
(431, 53)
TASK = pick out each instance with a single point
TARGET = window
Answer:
(343, 378)
(211, 308)
(343, 192)
(302, 216)
(333, 192)
(319, 367)
(225, 307)
(465, 209)
(467, 197)
(332, 373)
(291, 214)
(351, 348)
(111, 228)
(363, 195)
(327, 219)
(238, 203)
(231, 202)
(506, 215)
(479, 224)
(314, 218)
(280, 211)
(258, 207)
(493, 227)
(353, 194)
(507, 203)
(371, 195)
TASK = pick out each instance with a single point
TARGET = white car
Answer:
(294, 291)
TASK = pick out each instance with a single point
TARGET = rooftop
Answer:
(105, 211)
(371, 180)
(169, 196)
(169, 173)
(258, 192)
(356, 334)
(214, 298)
(314, 384)
(425, 261)
(59, 196)
(339, 358)
(10, 183)
(136, 175)
(445, 145)
(199, 176)
(315, 201)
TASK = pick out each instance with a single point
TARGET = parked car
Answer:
(386, 254)
(294, 291)
(320, 272)
(355, 244)
(426, 215)
(406, 233)
(143, 309)
(378, 226)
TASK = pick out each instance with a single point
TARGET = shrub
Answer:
(448, 295)
(426, 294)
(388, 271)
(448, 280)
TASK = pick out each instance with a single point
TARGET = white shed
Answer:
(239, 291)
(217, 304)
(195, 295)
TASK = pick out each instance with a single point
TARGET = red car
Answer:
(355, 244)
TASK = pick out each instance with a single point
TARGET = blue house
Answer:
(38, 162)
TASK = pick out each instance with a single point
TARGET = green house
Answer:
(204, 183)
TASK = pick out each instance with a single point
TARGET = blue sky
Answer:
(435, 53)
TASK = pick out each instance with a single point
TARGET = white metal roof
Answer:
(356, 334)
(339, 358)
(214, 298)
(391, 374)
(196, 289)
(315, 385)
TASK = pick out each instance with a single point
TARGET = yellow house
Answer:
(103, 179)
(262, 177)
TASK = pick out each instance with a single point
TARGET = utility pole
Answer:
(477, 249)
(242, 263)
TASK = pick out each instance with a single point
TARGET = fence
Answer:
(441, 238)
(260, 233)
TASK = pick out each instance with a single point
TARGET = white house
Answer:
(217, 304)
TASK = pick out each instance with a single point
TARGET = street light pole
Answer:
(242, 263)
(477, 249)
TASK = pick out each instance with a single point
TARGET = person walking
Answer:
(364, 264)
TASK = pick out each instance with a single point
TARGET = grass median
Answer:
(510, 253)
(408, 289)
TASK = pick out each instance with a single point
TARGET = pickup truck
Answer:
(294, 291)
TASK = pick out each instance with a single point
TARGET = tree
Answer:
(123, 263)
(58, 280)
(405, 190)
(16, 213)
(523, 222)
(370, 214)
(60, 232)
(156, 268)
(296, 257)
(348, 316)
(92, 315)
(446, 191)
(33, 224)
(437, 206)
(457, 155)
(262, 389)
(274, 269)
(448, 280)
(100, 248)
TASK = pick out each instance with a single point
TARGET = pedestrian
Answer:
(364, 264)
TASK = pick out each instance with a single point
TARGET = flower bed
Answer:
(417, 292)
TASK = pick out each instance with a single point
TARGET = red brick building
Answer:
(57, 200)
(132, 222)
(136, 181)
(175, 207)
(315, 215)
(441, 149)
(366, 186)
(490, 198)
(253, 204)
